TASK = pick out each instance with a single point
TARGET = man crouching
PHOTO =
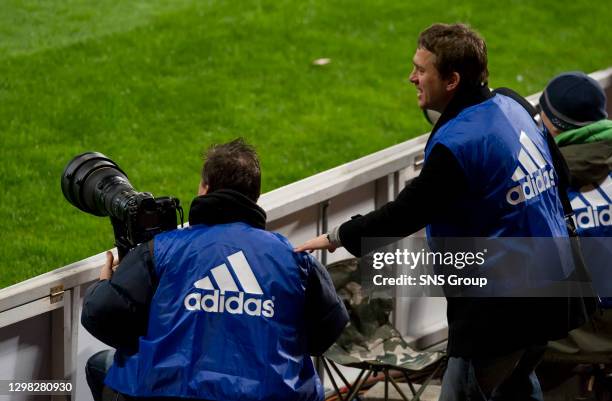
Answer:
(222, 310)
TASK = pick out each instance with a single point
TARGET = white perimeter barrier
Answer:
(40, 333)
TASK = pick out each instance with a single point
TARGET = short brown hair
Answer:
(458, 49)
(233, 165)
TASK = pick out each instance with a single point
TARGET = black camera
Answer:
(95, 184)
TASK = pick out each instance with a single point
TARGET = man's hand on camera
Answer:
(320, 242)
(109, 266)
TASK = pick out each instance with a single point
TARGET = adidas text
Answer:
(236, 304)
(533, 185)
(593, 217)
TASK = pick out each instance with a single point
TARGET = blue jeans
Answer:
(95, 372)
(509, 377)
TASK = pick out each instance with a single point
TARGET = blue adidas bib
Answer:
(225, 322)
(511, 180)
(512, 193)
(592, 207)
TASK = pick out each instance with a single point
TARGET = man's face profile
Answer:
(432, 90)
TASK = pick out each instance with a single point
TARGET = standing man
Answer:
(223, 310)
(471, 185)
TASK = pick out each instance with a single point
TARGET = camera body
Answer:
(145, 217)
(96, 185)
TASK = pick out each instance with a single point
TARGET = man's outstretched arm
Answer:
(428, 198)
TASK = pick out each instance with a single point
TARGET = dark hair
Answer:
(233, 165)
(458, 49)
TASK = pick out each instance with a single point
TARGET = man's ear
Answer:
(203, 189)
(453, 82)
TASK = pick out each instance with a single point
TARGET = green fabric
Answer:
(599, 131)
(589, 163)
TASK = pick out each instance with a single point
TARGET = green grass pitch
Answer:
(153, 83)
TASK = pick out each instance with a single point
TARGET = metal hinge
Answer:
(57, 293)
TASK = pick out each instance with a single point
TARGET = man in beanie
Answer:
(574, 112)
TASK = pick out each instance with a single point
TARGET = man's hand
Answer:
(320, 242)
(109, 267)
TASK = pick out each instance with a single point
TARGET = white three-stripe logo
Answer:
(533, 174)
(594, 195)
(530, 159)
(225, 281)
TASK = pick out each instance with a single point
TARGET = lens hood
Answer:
(82, 175)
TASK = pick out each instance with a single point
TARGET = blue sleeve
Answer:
(116, 311)
(325, 313)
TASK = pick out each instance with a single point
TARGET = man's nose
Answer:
(413, 78)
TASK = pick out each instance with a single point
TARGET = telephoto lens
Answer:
(95, 184)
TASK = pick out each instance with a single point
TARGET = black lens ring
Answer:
(72, 182)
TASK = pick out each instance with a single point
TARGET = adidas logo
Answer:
(592, 207)
(533, 174)
(216, 302)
